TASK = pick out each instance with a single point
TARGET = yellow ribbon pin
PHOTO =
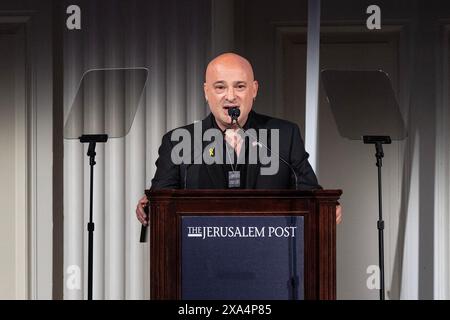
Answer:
(211, 152)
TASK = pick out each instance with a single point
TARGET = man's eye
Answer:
(220, 87)
(241, 86)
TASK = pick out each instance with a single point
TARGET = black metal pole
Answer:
(92, 139)
(378, 141)
(380, 224)
(90, 225)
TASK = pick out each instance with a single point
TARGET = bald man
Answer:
(229, 83)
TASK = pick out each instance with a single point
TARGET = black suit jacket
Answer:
(203, 176)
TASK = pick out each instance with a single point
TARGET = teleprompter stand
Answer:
(378, 141)
(364, 106)
(92, 139)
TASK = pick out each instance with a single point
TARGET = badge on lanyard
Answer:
(234, 179)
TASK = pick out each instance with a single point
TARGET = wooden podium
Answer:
(317, 209)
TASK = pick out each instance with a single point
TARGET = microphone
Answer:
(294, 279)
(146, 209)
(293, 282)
(278, 155)
(143, 227)
(234, 113)
(186, 174)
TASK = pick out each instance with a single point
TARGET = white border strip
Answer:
(312, 81)
(441, 219)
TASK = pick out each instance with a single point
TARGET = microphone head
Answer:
(234, 113)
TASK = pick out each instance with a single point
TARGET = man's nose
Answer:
(230, 94)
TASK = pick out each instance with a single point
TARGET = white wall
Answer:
(35, 18)
(13, 249)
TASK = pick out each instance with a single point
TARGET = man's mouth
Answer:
(227, 107)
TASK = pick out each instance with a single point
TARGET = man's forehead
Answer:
(234, 81)
(228, 72)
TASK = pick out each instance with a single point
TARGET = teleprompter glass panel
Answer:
(106, 102)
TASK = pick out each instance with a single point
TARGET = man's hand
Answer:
(338, 214)
(140, 213)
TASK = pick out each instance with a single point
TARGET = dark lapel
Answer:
(215, 171)
(253, 169)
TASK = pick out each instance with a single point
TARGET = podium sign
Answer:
(242, 258)
(243, 244)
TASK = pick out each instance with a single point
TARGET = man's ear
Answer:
(255, 88)
(205, 90)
